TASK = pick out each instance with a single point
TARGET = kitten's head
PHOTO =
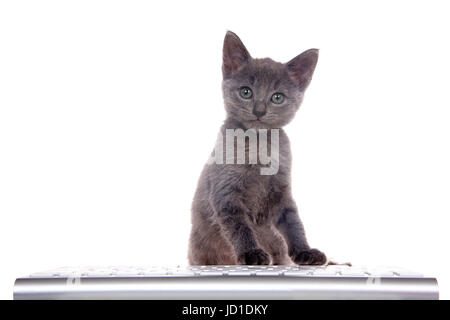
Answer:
(262, 93)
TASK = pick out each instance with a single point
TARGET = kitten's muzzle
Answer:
(259, 110)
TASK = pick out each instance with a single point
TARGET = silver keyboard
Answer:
(205, 271)
(227, 282)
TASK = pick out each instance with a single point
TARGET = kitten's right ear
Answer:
(301, 68)
(235, 55)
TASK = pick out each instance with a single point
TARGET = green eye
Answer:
(246, 92)
(277, 98)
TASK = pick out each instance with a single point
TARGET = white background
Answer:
(109, 109)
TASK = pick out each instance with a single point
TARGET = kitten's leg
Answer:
(236, 228)
(273, 243)
(207, 246)
(291, 228)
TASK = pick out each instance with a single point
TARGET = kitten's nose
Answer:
(259, 110)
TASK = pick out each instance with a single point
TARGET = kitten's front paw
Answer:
(254, 257)
(310, 257)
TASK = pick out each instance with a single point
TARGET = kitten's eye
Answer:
(246, 92)
(277, 98)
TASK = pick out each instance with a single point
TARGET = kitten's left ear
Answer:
(235, 55)
(301, 68)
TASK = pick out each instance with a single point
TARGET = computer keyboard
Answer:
(227, 282)
(240, 270)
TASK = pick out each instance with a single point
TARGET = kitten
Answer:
(240, 216)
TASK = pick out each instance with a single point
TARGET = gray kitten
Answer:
(238, 215)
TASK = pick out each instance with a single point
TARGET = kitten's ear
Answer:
(301, 68)
(235, 55)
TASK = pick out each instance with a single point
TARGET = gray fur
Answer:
(238, 215)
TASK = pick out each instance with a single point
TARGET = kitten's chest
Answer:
(263, 193)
